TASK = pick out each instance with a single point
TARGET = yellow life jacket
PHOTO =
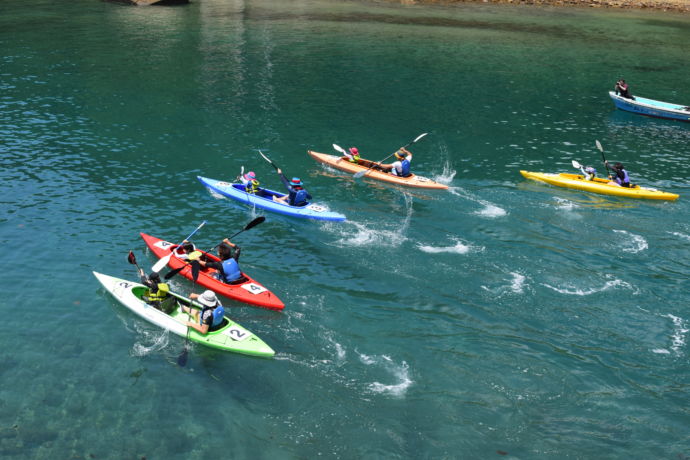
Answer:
(162, 293)
(194, 255)
(252, 187)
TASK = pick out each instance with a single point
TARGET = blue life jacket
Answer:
(298, 198)
(405, 164)
(231, 269)
(218, 313)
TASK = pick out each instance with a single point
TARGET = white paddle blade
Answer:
(360, 174)
(160, 265)
(339, 148)
(576, 165)
(601, 149)
(419, 137)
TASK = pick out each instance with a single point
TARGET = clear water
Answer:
(501, 318)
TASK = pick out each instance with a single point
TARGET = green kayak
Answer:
(230, 336)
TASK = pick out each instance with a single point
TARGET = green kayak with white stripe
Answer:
(230, 336)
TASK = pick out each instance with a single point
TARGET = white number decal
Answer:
(316, 207)
(223, 184)
(238, 334)
(125, 284)
(423, 179)
(254, 288)
(162, 244)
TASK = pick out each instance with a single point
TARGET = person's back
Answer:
(353, 155)
(158, 293)
(230, 255)
(401, 167)
(623, 89)
(621, 176)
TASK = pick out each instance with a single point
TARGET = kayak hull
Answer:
(347, 166)
(651, 108)
(250, 292)
(230, 337)
(265, 201)
(577, 182)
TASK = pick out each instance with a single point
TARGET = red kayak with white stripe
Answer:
(249, 291)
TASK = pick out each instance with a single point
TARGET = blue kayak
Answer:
(264, 200)
(651, 108)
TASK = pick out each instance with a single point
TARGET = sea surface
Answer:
(501, 318)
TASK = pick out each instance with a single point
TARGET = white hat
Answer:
(208, 298)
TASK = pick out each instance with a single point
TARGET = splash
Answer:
(679, 331)
(458, 248)
(517, 285)
(490, 210)
(636, 244)
(400, 371)
(681, 235)
(571, 290)
(153, 341)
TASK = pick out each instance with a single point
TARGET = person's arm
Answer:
(203, 329)
(284, 179)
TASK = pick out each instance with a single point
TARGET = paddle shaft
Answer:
(164, 261)
(601, 149)
(362, 173)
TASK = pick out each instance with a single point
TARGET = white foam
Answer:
(490, 210)
(518, 282)
(153, 341)
(364, 236)
(681, 235)
(679, 331)
(458, 248)
(400, 371)
(572, 290)
(661, 351)
(635, 244)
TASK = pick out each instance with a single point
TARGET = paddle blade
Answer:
(182, 359)
(160, 265)
(196, 267)
(419, 137)
(360, 174)
(255, 222)
(172, 273)
(131, 259)
(601, 149)
(339, 148)
(576, 165)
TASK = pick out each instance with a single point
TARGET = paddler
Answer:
(352, 155)
(588, 172)
(400, 167)
(297, 195)
(228, 268)
(158, 293)
(250, 182)
(211, 315)
(621, 177)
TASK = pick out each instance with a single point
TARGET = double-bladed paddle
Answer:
(164, 261)
(601, 149)
(362, 173)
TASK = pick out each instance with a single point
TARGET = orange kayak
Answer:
(347, 166)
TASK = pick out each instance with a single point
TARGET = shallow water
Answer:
(500, 318)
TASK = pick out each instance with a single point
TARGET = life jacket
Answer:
(218, 312)
(299, 198)
(194, 255)
(622, 181)
(231, 270)
(162, 293)
(252, 187)
(353, 158)
(404, 168)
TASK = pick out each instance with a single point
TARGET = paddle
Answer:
(133, 260)
(250, 225)
(269, 160)
(361, 173)
(164, 261)
(601, 149)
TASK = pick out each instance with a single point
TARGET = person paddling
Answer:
(228, 268)
(158, 293)
(352, 155)
(588, 172)
(211, 315)
(621, 177)
(297, 195)
(401, 167)
(250, 182)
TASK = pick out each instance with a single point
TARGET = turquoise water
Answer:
(499, 319)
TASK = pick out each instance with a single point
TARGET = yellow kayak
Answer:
(342, 164)
(598, 185)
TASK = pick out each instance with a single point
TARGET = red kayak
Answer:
(249, 291)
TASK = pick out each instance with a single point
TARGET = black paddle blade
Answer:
(172, 273)
(196, 267)
(182, 359)
(255, 222)
(131, 259)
